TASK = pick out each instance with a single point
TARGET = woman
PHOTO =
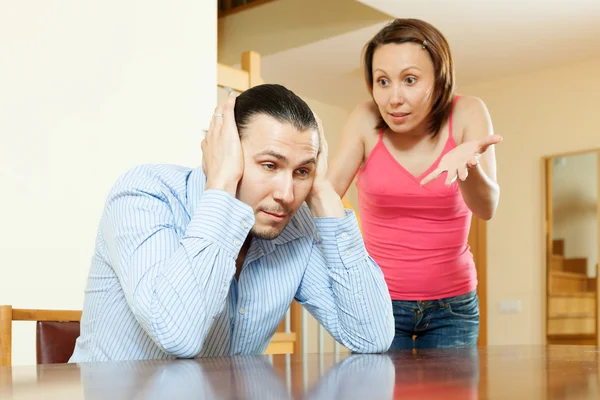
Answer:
(425, 163)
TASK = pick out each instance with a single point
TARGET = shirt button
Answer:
(242, 311)
(244, 225)
(348, 251)
(344, 235)
(237, 242)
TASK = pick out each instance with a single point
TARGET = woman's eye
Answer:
(411, 80)
(382, 81)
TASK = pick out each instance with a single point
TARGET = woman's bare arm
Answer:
(351, 147)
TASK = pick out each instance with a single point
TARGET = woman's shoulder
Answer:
(467, 110)
(365, 117)
(467, 104)
(366, 111)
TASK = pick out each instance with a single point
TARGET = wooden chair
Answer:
(56, 333)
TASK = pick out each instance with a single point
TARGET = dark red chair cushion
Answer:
(56, 341)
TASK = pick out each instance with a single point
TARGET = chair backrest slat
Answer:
(45, 344)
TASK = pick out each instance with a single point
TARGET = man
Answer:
(206, 262)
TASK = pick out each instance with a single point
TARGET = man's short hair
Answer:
(276, 101)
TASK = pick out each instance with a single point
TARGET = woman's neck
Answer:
(421, 135)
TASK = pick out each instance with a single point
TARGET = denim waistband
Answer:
(441, 302)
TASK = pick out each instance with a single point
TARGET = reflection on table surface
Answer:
(493, 372)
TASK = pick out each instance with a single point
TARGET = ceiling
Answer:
(291, 24)
(489, 39)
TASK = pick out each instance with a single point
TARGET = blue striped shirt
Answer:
(162, 279)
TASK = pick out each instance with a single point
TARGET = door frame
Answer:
(547, 166)
(478, 246)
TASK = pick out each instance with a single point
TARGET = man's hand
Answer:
(222, 159)
(323, 200)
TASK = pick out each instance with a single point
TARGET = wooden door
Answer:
(478, 244)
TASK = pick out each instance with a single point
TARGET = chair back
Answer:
(55, 341)
(56, 333)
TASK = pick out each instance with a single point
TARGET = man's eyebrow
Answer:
(272, 153)
(283, 158)
(311, 160)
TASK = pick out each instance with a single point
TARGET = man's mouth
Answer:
(275, 216)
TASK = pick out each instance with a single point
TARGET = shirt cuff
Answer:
(341, 240)
(222, 219)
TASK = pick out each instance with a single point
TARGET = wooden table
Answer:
(504, 372)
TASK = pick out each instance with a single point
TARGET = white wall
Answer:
(523, 109)
(88, 90)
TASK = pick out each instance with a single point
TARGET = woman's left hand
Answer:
(458, 161)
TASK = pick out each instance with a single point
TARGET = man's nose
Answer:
(284, 191)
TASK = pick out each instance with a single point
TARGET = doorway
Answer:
(572, 241)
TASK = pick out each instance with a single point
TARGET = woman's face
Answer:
(403, 83)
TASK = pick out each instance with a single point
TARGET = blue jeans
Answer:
(448, 322)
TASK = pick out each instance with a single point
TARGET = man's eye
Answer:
(269, 166)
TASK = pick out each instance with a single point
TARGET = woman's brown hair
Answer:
(432, 40)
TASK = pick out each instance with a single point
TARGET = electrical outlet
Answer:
(510, 306)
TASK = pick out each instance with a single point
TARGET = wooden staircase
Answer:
(572, 300)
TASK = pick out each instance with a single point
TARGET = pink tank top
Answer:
(417, 235)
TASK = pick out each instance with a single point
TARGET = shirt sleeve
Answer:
(175, 282)
(344, 289)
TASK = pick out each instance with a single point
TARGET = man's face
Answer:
(279, 169)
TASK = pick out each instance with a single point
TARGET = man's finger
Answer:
(228, 114)
(228, 121)
(211, 125)
(324, 147)
(203, 148)
(322, 141)
(217, 121)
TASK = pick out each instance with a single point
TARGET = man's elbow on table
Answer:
(178, 341)
(378, 343)
(182, 348)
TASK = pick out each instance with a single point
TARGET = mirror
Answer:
(572, 226)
